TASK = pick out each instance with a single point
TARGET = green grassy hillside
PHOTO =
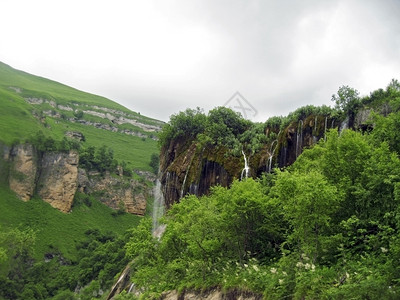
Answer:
(29, 104)
(57, 230)
(20, 120)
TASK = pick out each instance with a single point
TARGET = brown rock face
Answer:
(186, 169)
(58, 179)
(23, 171)
(115, 192)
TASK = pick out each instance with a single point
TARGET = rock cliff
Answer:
(188, 168)
(23, 170)
(116, 192)
(57, 182)
(55, 177)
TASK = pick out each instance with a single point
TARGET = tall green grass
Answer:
(57, 230)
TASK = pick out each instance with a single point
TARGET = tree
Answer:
(308, 202)
(86, 157)
(188, 123)
(20, 248)
(249, 220)
(347, 99)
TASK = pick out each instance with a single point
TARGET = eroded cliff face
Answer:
(55, 178)
(116, 192)
(57, 182)
(23, 170)
(188, 168)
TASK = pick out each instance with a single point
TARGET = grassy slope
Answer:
(40, 86)
(56, 229)
(16, 120)
(18, 123)
(61, 231)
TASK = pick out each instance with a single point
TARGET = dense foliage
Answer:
(100, 258)
(220, 127)
(326, 227)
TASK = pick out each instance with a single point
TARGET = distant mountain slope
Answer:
(29, 104)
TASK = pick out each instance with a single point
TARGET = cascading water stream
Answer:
(326, 125)
(344, 125)
(157, 228)
(271, 156)
(315, 124)
(314, 131)
(158, 210)
(246, 167)
(299, 139)
(183, 184)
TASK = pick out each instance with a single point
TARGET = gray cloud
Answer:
(160, 57)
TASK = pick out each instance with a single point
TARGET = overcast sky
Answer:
(161, 57)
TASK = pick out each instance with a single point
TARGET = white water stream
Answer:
(158, 210)
(299, 139)
(246, 168)
(271, 155)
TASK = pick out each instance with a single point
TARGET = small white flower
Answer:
(307, 266)
(280, 281)
(284, 273)
(299, 264)
(384, 250)
(312, 267)
(246, 265)
(304, 256)
(255, 268)
(273, 270)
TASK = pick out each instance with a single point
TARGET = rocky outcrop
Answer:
(55, 178)
(123, 283)
(23, 169)
(75, 135)
(58, 179)
(188, 168)
(112, 117)
(212, 294)
(118, 193)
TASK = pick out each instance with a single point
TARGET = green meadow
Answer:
(19, 120)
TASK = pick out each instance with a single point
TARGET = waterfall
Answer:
(158, 210)
(184, 182)
(299, 139)
(315, 124)
(246, 167)
(326, 124)
(271, 156)
(344, 125)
